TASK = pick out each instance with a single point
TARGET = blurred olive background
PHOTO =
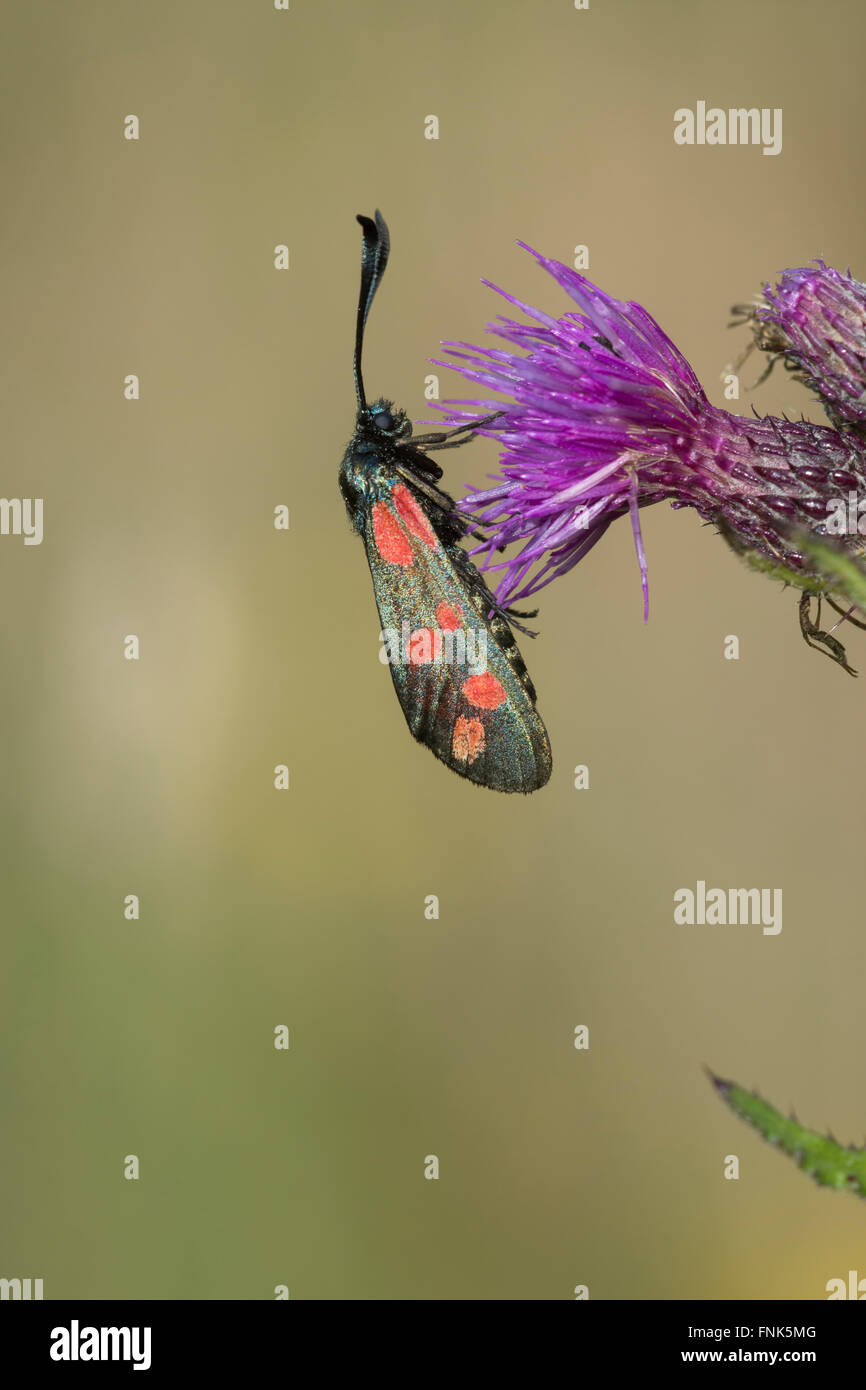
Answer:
(409, 1037)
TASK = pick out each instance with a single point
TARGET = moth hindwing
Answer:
(458, 674)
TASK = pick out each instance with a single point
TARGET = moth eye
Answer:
(383, 420)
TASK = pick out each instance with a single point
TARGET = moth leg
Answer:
(440, 499)
(771, 362)
(745, 313)
(765, 337)
(773, 358)
(445, 504)
(472, 533)
(511, 616)
(428, 442)
(846, 613)
(821, 641)
(527, 631)
(445, 439)
(492, 609)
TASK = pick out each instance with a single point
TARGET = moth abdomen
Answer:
(501, 630)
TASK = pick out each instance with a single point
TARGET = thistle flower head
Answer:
(815, 317)
(606, 417)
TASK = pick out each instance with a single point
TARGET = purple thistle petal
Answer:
(633, 507)
(605, 416)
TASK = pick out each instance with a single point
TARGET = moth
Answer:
(453, 657)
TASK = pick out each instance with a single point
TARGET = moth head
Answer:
(383, 418)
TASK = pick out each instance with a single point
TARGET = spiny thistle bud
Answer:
(815, 319)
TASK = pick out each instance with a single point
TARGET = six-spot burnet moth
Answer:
(459, 677)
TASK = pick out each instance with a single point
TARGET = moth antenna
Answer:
(374, 258)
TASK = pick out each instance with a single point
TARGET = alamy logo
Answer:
(422, 646)
(846, 518)
(20, 1288)
(737, 126)
(22, 516)
(856, 1287)
(74, 1343)
(717, 907)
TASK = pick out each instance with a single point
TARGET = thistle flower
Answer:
(815, 320)
(607, 417)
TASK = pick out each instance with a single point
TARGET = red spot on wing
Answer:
(413, 516)
(448, 618)
(425, 645)
(484, 692)
(392, 542)
(468, 739)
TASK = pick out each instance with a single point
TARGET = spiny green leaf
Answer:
(843, 573)
(774, 569)
(829, 1163)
